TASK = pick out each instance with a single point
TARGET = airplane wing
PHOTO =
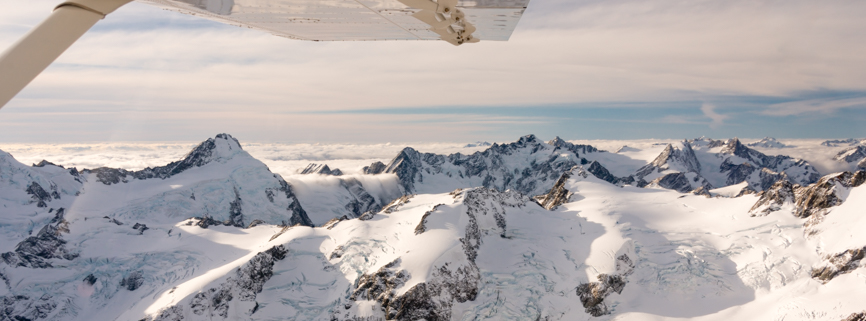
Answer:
(455, 21)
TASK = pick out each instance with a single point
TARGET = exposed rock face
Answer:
(702, 191)
(299, 216)
(528, 165)
(395, 204)
(676, 168)
(837, 264)
(592, 294)
(853, 155)
(236, 215)
(453, 282)
(679, 182)
(25, 308)
(738, 163)
(133, 281)
(140, 228)
(39, 195)
(375, 168)
(823, 194)
(797, 170)
(362, 201)
(596, 169)
(321, 169)
(242, 287)
(856, 317)
(89, 279)
(807, 200)
(680, 158)
(35, 251)
(221, 147)
(422, 226)
(558, 195)
(773, 198)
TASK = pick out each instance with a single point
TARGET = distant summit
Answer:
(768, 142)
(478, 144)
(321, 169)
(842, 142)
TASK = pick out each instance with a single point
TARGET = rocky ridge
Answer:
(321, 169)
(528, 165)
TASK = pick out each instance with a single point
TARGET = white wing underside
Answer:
(455, 21)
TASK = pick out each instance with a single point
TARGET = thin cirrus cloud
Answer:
(822, 105)
(145, 68)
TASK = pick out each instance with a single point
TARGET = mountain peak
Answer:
(528, 139)
(556, 142)
(735, 147)
(220, 148)
(768, 142)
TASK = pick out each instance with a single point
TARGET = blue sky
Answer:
(617, 69)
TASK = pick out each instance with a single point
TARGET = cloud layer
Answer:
(144, 68)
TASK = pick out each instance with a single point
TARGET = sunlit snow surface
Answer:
(695, 257)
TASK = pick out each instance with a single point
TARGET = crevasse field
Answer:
(698, 229)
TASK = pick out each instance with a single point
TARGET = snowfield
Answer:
(697, 229)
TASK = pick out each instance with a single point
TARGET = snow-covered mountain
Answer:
(768, 142)
(529, 230)
(842, 142)
(528, 165)
(854, 156)
(706, 164)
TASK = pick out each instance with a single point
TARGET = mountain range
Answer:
(708, 229)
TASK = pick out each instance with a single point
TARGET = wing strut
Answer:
(28, 57)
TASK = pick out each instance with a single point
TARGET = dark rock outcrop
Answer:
(132, 281)
(861, 316)
(140, 228)
(26, 308)
(808, 200)
(773, 198)
(755, 160)
(851, 155)
(299, 215)
(837, 264)
(39, 195)
(675, 181)
(35, 251)
(243, 286)
(596, 169)
(681, 159)
(592, 294)
(422, 226)
(558, 195)
(822, 195)
(362, 201)
(89, 279)
(450, 283)
(375, 168)
(321, 169)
